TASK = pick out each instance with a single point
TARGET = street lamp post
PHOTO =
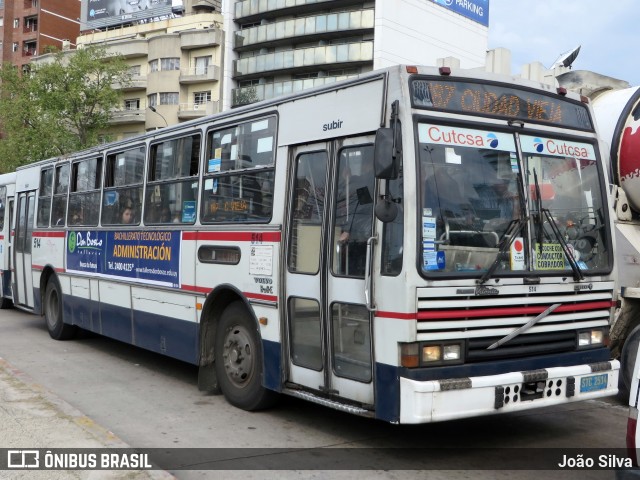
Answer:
(153, 109)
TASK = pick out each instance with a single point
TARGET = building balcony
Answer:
(209, 37)
(189, 111)
(325, 26)
(200, 75)
(304, 59)
(136, 82)
(131, 48)
(127, 116)
(267, 91)
(249, 11)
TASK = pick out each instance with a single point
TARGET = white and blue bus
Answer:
(414, 245)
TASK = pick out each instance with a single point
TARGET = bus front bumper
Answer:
(439, 400)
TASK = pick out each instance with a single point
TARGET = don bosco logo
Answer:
(72, 242)
(83, 241)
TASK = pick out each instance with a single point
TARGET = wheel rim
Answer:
(238, 355)
(52, 308)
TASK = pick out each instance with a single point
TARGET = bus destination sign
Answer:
(499, 101)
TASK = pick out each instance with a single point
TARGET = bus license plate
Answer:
(594, 383)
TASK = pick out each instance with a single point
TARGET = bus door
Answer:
(23, 281)
(328, 324)
(10, 240)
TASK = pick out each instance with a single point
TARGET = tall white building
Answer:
(281, 46)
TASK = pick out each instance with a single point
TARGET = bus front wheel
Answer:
(238, 360)
(58, 330)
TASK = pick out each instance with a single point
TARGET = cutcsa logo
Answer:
(492, 140)
(538, 145)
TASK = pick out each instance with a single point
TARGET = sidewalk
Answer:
(32, 417)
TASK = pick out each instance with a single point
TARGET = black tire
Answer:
(5, 303)
(238, 360)
(53, 312)
(627, 362)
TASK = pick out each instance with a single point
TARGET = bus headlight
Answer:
(423, 354)
(595, 337)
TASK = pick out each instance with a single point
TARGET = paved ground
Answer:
(32, 417)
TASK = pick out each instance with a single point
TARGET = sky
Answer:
(541, 30)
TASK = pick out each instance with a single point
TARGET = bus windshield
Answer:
(481, 205)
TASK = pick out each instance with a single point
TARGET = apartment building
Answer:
(174, 52)
(275, 47)
(29, 28)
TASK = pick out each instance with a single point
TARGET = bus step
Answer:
(343, 407)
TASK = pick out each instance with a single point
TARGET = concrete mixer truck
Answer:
(616, 106)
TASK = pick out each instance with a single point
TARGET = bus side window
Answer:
(172, 186)
(122, 201)
(61, 187)
(84, 197)
(45, 197)
(239, 173)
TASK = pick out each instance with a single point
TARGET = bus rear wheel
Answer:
(53, 315)
(238, 360)
(5, 303)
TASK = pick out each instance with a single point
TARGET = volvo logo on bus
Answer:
(577, 288)
(478, 291)
(487, 291)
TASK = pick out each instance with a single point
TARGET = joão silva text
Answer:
(604, 461)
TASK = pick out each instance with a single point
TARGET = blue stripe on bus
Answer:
(82, 312)
(6, 283)
(272, 354)
(505, 365)
(387, 393)
(165, 335)
(176, 338)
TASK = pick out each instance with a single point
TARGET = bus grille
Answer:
(483, 320)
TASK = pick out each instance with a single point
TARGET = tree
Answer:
(59, 106)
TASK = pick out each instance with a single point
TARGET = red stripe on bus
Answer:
(509, 311)
(1, 237)
(396, 315)
(194, 288)
(255, 296)
(259, 296)
(49, 234)
(233, 236)
(41, 267)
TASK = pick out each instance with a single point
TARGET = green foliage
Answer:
(245, 96)
(59, 106)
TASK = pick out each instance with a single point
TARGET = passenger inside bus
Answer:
(127, 215)
(77, 216)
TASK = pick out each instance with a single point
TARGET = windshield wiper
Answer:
(538, 214)
(513, 230)
(543, 213)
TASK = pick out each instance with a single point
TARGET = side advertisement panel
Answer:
(148, 257)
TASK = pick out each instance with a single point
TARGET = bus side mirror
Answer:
(386, 153)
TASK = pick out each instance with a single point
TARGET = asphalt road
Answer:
(150, 401)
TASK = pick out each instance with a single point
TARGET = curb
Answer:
(16, 382)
